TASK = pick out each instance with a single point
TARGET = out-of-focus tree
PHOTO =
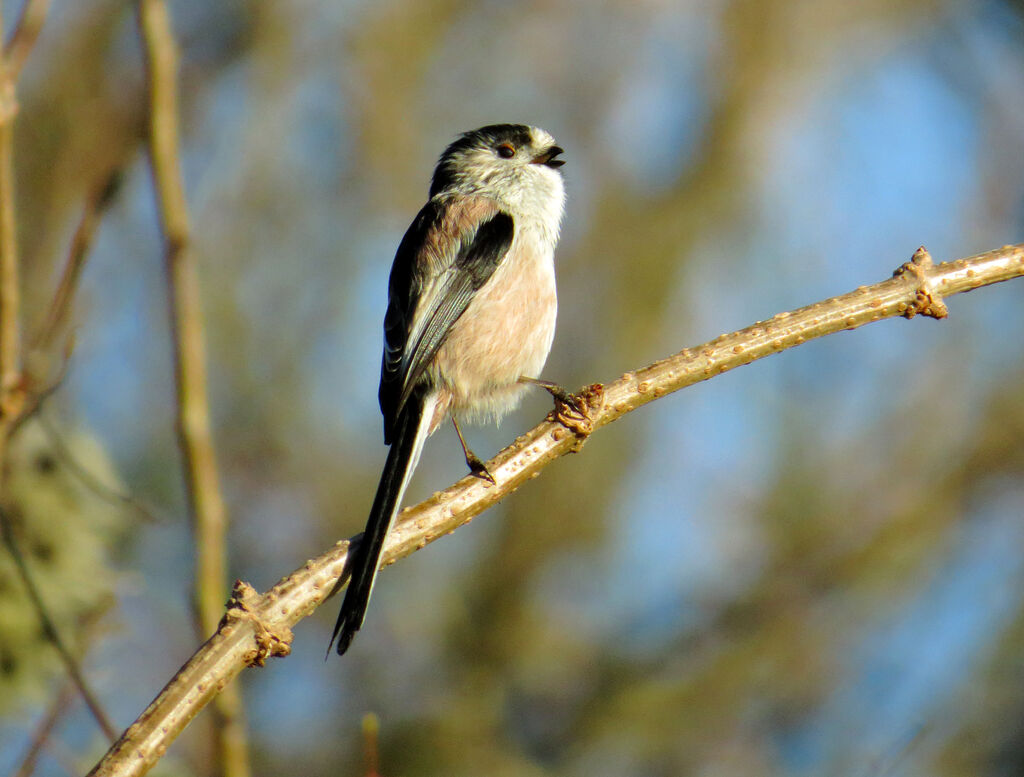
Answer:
(806, 567)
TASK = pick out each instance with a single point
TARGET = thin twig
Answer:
(96, 203)
(10, 294)
(61, 701)
(64, 757)
(15, 401)
(50, 629)
(26, 31)
(256, 627)
(121, 500)
(63, 698)
(34, 400)
(371, 746)
(209, 516)
(12, 383)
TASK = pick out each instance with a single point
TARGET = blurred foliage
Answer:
(810, 566)
(58, 504)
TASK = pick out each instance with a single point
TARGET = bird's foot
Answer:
(573, 411)
(475, 464)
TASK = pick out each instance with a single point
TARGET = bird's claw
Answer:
(478, 468)
(574, 411)
(566, 402)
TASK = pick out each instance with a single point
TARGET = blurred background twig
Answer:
(21, 391)
(195, 439)
(7, 532)
(57, 313)
(10, 283)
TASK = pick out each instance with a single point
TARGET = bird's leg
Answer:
(476, 466)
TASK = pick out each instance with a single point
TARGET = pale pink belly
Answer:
(506, 332)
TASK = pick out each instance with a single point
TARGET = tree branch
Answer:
(26, 31)
(61, 702)
(16, 402)
(10, 292)
(64, 697)
(12, 382)
(97, 201)
(256, 627)
(209, 516)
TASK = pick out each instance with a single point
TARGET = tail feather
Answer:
(409, 435)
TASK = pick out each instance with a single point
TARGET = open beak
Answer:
(547, 157)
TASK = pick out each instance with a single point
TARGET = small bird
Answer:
(470, 318)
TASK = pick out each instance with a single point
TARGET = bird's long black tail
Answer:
(409, 435)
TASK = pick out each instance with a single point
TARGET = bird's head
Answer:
(512, 163)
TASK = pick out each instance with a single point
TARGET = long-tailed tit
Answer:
(471, 313)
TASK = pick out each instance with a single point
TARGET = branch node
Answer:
(927, 300)
(578, 416)
(271, 641)
(9, 106)
(12, 400)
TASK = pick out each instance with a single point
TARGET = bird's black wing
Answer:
(451, 249)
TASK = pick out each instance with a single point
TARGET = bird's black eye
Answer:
(506, 151)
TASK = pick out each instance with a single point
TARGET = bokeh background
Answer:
(811, 566)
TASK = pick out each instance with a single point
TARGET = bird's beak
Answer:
(547, 157)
